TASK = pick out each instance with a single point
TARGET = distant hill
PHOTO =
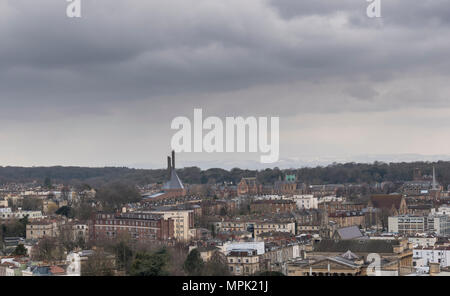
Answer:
(335, 173)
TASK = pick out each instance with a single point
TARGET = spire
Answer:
(434, 185)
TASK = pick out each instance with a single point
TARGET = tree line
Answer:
(331, 174)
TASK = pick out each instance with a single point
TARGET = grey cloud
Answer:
(133, 65)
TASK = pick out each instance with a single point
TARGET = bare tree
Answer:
(99, 264)
(47, 249)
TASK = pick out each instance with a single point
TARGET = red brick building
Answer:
(249, 186)
(339, 206)
(273, 206)
(392, 204)
(216, 207)
(141, 226)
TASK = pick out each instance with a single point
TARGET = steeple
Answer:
(434, 185)
(174, 181)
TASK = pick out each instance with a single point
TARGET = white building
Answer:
(423, 241)
(442, 210)
(258, 246)
(269, 197)
(306, 201)
(424, 256)
(183, 222)
(330, 198)
(412, 225)
(73, 260)
(7, 214)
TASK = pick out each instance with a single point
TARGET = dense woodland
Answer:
(335, 173)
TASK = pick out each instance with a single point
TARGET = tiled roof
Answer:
(355, 246)
(385, 201)
(57, 270)
(350, 232)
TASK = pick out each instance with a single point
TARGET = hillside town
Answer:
(286, 228)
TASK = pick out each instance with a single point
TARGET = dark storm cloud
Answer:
(135, 50)
(132, 65)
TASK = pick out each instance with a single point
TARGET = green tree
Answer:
(15, 227)
(150, 264)
(194, 263)
(65, 211)
(48, 183)
(20, 250)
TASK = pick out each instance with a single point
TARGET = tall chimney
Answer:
(173, 159)
(168, 164)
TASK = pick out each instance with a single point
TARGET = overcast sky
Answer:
(103, 89)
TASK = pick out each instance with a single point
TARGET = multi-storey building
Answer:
(272, 206)
(257, 227)
(8, 214)
(425, 255)
(423, 241)
(325, 190)
(306, 201)
(287, 186)
(345, 219)
(183, 222)
(261, 227)
(393, 204)
(142, 226)
(411, 225)
(43, 228)
(243, 262)
(216, 207)
(249, 186)
(339, 206)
